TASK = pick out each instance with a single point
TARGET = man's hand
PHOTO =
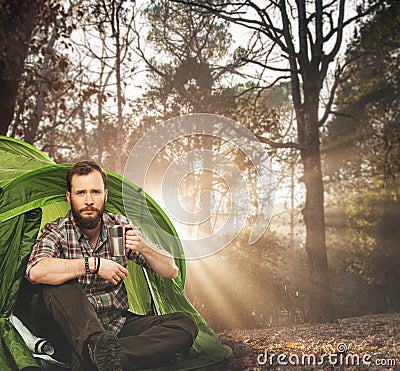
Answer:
(159, 260)
(133, 239)
(112, 271)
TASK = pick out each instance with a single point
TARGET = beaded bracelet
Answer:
(87, 265)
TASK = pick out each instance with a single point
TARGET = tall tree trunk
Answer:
(17, 20)
(313, 212)
(115, 25)
(320, 306)
(33, 123)
(309, 34)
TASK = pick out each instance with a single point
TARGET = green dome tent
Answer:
(32, 192)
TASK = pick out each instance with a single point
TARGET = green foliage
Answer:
(364, 138)
(192, 60)
(265, 112)
(367, 243)
(362, 159)
(179, 31)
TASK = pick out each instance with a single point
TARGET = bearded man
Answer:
(82, 285)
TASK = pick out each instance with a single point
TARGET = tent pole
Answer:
(153, 297)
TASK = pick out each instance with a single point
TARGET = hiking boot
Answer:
(177, 357)
(76, 362)
(104, 351)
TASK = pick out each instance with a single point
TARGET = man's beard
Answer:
(87, 222)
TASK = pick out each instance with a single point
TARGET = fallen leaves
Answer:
(361, 343)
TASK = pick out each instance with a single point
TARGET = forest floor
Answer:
(362, 343)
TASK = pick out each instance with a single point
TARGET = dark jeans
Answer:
(146, 340)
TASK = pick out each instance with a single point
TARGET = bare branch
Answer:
(350, 20)
(339, 37)
(265, 25)
(296, 96)
(140, 52)
(264, 65)
(278, 144)
(336, 83)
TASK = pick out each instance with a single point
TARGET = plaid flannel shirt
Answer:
(63, 238)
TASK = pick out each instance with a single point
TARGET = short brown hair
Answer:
(84, 168)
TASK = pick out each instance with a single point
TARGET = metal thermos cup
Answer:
(116, 239)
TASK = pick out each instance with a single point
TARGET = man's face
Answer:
(87, 199)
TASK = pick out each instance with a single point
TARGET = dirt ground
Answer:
(361, 343)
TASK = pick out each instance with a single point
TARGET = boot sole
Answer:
(108, 352)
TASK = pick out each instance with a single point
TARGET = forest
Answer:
(316, 82)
